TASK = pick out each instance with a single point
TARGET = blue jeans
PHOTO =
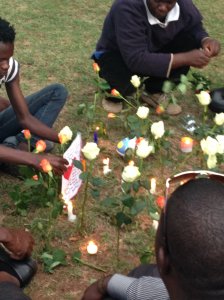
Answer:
(45, 105)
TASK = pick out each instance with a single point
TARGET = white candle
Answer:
(153, 186)
(186, 144)
(92, 248)
(71, 216)
(106, 168)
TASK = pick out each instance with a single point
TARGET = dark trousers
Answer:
(115, 71)
(142, 270)
(10, 291)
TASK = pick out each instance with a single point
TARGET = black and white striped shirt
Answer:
(12, 71)
(145, 288)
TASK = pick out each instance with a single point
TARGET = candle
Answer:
(186, 144)
(71, 216)
(92, 248)
(95, 135)
(153, 186)
(131, 163)
(106, 168)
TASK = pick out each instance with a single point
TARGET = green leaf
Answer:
(138, 207)
(59, 255)
(121, 219)
(30, 182)
(145, 258)
(126, 186)
(78, 164)
(95, 193)
(97, 181)
(154, 216)
(76, 256)
(83, 176)
(110, 202)
(182, 88)
(167, 86)
(136, 186)
(128, 201)
(104, 86)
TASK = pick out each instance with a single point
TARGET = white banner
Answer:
(70, 179)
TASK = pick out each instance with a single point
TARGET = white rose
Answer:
(65, 135)
(142, 112)
(90, 151)
(211, 161)
(220, 139)
(130, 173)
(157, 129)
(144, 149)
(219, 119)
(204, 98)
(136, 81)
(209, 146)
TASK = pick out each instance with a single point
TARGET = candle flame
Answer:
(131, 163)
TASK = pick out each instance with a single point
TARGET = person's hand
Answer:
(197, 58)
(97, 290)
(211, 47)
(58, 163)
(18, 242)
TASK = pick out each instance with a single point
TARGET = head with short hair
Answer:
(194, 240)
(160, 8)
(7, 32)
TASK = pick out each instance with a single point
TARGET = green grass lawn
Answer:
(55, 39)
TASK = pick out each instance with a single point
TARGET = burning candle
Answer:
(71, 216)
(153, 186)
(95, 135)
(186, 144)
(92, 248)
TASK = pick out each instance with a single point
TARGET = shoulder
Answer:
(13, 69)
(189, 10)
(129, 5)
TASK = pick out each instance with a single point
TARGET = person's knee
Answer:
(60, 91)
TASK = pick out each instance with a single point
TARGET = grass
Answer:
(55, 40)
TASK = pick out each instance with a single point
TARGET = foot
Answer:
(113, 107)
(154, 100)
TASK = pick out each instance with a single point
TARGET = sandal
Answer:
(23, 270)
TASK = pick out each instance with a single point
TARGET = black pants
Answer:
(114, 70)
(10, 291)
(142, 270)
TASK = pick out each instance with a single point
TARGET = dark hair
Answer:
(195, 235)
(7, 32)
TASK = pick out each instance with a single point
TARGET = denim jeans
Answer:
(45, 105)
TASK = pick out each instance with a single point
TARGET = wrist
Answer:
(102, 284)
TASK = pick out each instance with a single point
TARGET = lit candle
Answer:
(131, 163)
(106, 168)
(186, 144)
(71, 216)
(92, 248)
(95, 135)
(153, 186)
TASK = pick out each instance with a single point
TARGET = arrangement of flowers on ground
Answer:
(149, 141)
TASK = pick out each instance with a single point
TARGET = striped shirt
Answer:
(12, 71)
(145, 288)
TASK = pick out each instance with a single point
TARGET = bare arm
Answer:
(14, 156)
(26, 120)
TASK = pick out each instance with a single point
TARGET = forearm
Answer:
(38, 128)
(14, 156)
